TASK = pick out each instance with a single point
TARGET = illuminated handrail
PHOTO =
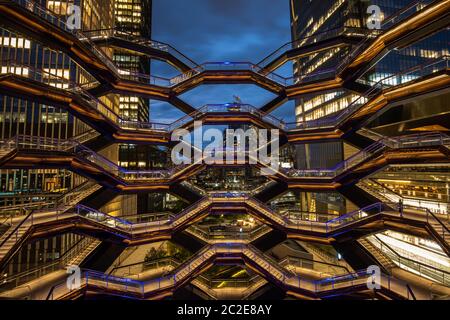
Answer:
(229, 282)
(405, 12)
(31, 72)
(304, 222)
(10, 211)
(424, 215)
(387, 195)
(399, 78)
(138, 267)
(408, 141)
(127, 74)
(425, 270)
(103, 218)
(228, 65)
(259, 68)
(271, 268)
(124, 224)
(247, 235)
(18, 209)
(86, 136)
(49, 16)
(52, 18)
(296, 222)
(226, 108)
(326, 122)
(61, 206)
(9, 66)
(387, 24)
(193, 187)
(41, 143)
(86, 38)
(74, 251)
(133, 224)
(411, 74)
(306, 263)
(108, 33)
(294, 214)
(308, 40)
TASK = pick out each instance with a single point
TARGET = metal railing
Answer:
(400, 142)
(387, 24)
(399, 78)
(326, 122)
(217, 283)
(88, 37)
(28, 71)
(157, 45)
(309, 40)
(272, 269)
(387, 195)
(74, 251)
(244, 235)
(423, 269)
(60, 207)
(310, 264)
(133, 224)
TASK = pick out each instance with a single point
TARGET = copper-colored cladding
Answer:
(234, 257)
(304, 136)
(310, 238)
(397, 157)
(15, 13)
(434, 127)
(312, 48)
(433, 82)
(300, 296)
(141, 137)
(51, 33)
(30, 161)
(140, 188)
(91, 114)
(222, 77)
(229, 117)
(75, 48)
(132, 47)
(325, 186)
(69, 43)
(358, 229)
(24, 86)
(156, 294)
(405, 156)
(318, 86)
(228, 77)
(434, 11)
(138, 88)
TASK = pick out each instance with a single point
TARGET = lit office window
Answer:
(21, 71)
(58, 7)
(60, 73)
(15, 42)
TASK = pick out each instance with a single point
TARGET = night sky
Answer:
(221, 30)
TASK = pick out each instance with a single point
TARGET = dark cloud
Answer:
(221, 30)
